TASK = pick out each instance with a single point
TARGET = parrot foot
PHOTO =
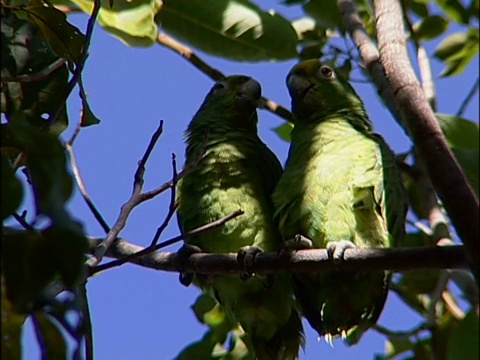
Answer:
(246, 257)
(181, 259)
(299, 242)
(336, 249)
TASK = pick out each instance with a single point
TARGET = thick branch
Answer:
(446, 174)
(399, 259)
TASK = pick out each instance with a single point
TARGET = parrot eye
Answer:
(218, 86)
(326, 72)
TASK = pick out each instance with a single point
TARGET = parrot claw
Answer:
(299, 242)
(181, 259)
(246, 257)
(336, 249)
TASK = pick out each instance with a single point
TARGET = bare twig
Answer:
(214, 74)
(395, 259)
(423, 61)
(145, 251)
(452, 306)
(81, 186)
(469, 98)
(21, 220)
(127, 207)
(86, 321)
(402, 333)
(171, 207)
(83, 58)
(40, 75)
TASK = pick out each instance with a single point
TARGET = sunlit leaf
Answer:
(130, 21)
(459, 132)
(236, 29)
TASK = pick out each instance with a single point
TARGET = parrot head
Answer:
(317, 91)
(236, 97)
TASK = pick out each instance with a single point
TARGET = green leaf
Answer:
(203, 304)
(24, 53)
(64, 38)
(130, 21)
(463, 137)
(430, 27)
(236, 29)
(419, 7)
(325, 13)
(53, 340)
(459, 132)
(47, 166)
(422, 349)
(26, 267)
(395, 346)
(469, 161)
(456, 50)
(455, 10)
(284, 131)
(464, 343)
(12, 323)
(88, 117)
(12, 190)
(420, 281)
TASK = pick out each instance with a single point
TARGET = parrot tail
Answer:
(285, 343)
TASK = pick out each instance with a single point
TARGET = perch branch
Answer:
(396, 259)
(444, 171)
(131, 257)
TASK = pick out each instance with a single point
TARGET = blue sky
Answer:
(139, 313)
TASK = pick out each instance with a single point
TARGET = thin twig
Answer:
(420, 226)
(214, 74)
(135, 199)
(436, 297)
(21, 220)
(452, 306)
(145, 251)
(86, 321)
(171, 207)
(83, 190)
(423, 61)
(469, 98)
(40, 75)
(402, 333)
(38, 334)
(97, 4)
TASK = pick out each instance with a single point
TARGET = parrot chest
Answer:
(224, 182)
(339, 197)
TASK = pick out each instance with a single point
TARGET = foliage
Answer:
(40, 48)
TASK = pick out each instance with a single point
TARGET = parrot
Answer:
(232, 169)
(340, 189)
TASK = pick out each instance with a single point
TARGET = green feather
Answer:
(235, 171)
(340, 183)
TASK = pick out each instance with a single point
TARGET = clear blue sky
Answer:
(139, 313)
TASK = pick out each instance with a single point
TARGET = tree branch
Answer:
(396, 259)
(444, 171)
(395, 79)
(214, 74)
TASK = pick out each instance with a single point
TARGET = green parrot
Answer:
(340, 188)
(233, 169)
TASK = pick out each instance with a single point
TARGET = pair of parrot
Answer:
(340, 188)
